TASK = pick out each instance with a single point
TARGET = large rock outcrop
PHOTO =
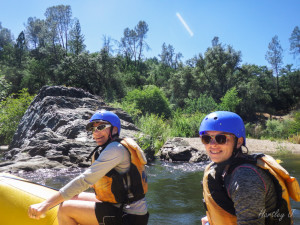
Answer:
(52, 132)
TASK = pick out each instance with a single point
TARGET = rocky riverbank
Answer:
(52, 132)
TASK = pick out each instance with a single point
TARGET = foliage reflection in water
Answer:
(175, 191)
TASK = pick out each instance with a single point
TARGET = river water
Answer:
(175, 192)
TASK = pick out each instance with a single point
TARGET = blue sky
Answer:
(248, 26)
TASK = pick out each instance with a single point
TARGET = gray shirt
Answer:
(114, 156)
(252, 192)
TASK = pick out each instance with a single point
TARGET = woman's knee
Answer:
(64, 214)
(85, 196)
(63, 209)
(81, 212)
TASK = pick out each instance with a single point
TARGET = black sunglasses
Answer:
(220, 139)
(100, 127)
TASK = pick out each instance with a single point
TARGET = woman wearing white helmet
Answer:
(117, 175)
(239, 188)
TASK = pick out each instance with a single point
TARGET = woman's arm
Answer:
(37, 211)
(247, 190)
(204, 221)
(112, 157)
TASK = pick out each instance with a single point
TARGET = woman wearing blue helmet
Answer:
(239, 188)
(117, 175)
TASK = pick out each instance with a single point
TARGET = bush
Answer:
(294, 129)
(204, 104)
(295, 138)
(295, 125)
(12, 110)
(277, 129)
(254, 130)
(156, 132)
(4, 87)
(130, 108)
(186, 125)
(150, 100)
(230, 101)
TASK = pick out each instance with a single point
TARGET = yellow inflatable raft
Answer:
(16, 195)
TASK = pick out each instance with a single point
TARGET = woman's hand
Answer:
(37, 211)
(204, 221)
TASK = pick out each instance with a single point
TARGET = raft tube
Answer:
(16, 195)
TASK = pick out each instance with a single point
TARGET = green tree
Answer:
(215, 41)
(274, 57)
(159, 74)
(96, 73)
(6, 37)
(6, 45)
(290, 92)
(179, 86)
(150, 100)
(36, 75)
(295, 42)
(107, 44)
(36, 33)
(204, 104)
(168, 56)
(133, 42)
(59, 24)
(12, 110)
(141, 30)
(4, 87)
(76, 41)
(217, 70)
(127, 45)
(130, 58)
(230, 101)
(255, 88)
(112, 80)
(20, 49)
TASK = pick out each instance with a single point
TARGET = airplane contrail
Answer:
(185, 24)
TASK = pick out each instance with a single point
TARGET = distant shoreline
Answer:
(253, 145)
(256, 146)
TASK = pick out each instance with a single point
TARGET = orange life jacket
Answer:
(124, 188)
(217, 215)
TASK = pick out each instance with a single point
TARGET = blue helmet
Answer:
(105, 116)
(224, 121)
